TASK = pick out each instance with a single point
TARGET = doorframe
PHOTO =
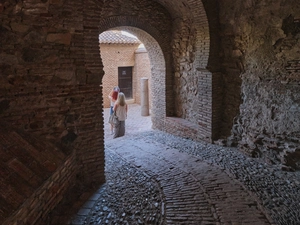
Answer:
(131, 88)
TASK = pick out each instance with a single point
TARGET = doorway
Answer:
(125, 81)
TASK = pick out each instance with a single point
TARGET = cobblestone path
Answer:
(194, 192)
(157, 178)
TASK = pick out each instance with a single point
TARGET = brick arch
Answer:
(158, 47)
(200, 20)
(158, 70)
(203, 16)
(212, 15)
(209, 19)
(96, 20)
(196, 42)
(193, 27)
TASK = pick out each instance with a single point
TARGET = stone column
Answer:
(144, 97)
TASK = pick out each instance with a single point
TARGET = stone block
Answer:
(59, 38)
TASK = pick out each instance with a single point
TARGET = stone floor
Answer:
(157, 178)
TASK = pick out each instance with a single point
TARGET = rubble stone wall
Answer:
(260, 42)
(196, 64)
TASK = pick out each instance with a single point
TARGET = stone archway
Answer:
(158, 48)
(188, 38)
(191, 92)
(101, 16)
(158, 72)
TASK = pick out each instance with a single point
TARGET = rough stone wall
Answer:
(142, 69)
(197, 70)
(261, 39)
(114, 56)
(185, 82)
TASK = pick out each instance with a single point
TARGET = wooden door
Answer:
(125, 81)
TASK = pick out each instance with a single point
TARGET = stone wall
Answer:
(261, 43)
(197, 70)
(213, 64)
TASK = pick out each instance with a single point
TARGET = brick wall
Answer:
(50, 88)
(114, 56)
(36, 174)
(38, 206)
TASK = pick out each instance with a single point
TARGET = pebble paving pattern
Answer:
(157, 178)
(277, 190)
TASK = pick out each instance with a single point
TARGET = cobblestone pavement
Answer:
(157, 178)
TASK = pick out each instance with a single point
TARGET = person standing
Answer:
(121, 110)
(113, 95)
